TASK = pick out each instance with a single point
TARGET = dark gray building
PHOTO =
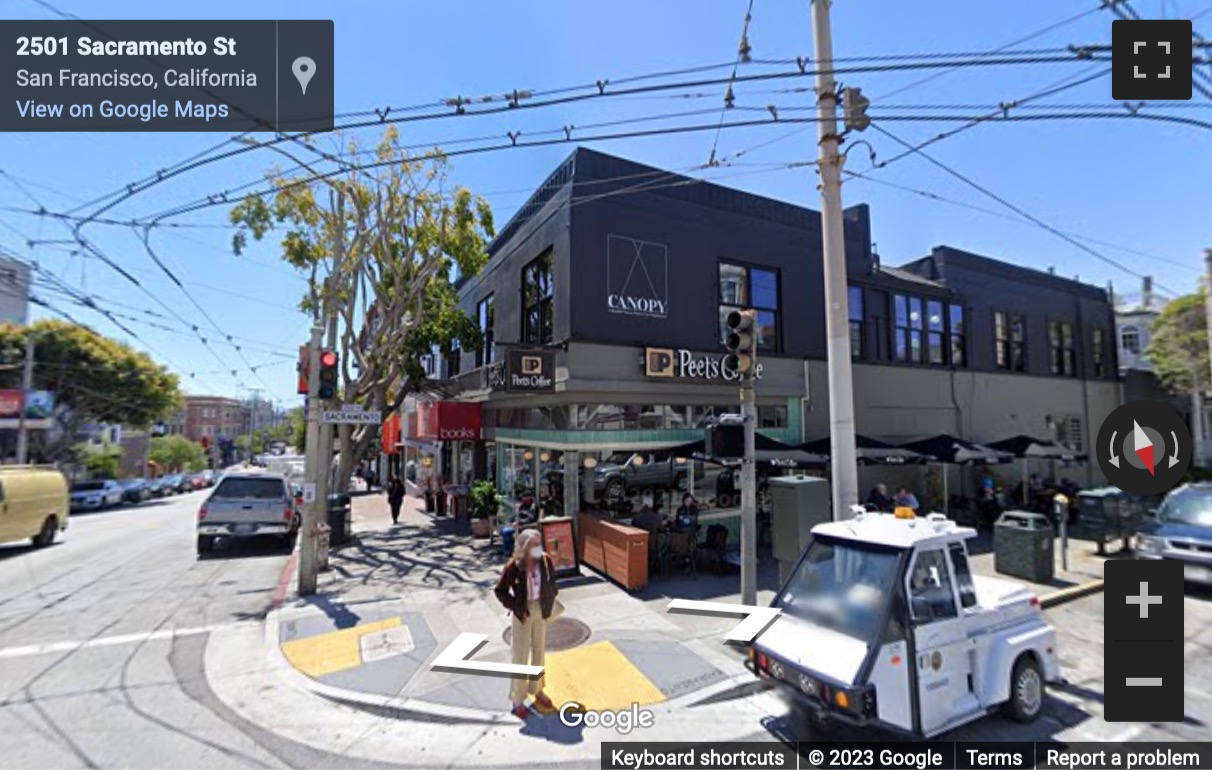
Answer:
(623, 273)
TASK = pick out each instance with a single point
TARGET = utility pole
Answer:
(837, 318)
(742, 344)
(1198, 418)
(27, 384)
(308, 568)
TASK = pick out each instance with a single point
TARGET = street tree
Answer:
(381, 244)
(177, 453)
(1178, 345)
(95, 379)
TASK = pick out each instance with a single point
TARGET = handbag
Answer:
(557, 609)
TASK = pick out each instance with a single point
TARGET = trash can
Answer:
(507, 541)
(1023, 546)
(1104, 515)
(338, 519)
(322, 534)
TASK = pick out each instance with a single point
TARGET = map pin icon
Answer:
(304, 68)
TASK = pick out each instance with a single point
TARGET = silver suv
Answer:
(247, 505)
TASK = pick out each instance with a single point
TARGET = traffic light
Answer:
(741, 341)
(304, 369)
(328, 374)
(854, 109)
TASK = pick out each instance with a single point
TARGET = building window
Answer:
(1069, 433)
(958, 332)
(538, 291)
(934, 337)
(772, 416)
(1010, 338)
(484, 314)
(1098, 352)
(854, 303)
(1130, 340)
(1064, 358)
(909, 323)
(751, 287)
(454, 359)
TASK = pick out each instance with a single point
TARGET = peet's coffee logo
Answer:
(637, 277)
(527, 371)
(666, 362)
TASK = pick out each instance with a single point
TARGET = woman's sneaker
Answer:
(521, 712)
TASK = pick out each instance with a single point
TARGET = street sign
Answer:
(353, 418)
(309, 493)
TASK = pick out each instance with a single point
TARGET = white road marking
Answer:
(47, 648)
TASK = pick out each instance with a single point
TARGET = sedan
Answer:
(135, 490)
(93, 495)
(1182, 531)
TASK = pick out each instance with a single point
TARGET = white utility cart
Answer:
(884, 624)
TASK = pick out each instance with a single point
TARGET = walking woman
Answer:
(527, 589)
(395, 497)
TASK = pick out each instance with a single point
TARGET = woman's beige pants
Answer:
(529, 649)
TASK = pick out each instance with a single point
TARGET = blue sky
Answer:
(1141, 188)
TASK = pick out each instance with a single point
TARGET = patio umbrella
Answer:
(1025, 447)
(870, 451)
(768, 451)
(950, 450)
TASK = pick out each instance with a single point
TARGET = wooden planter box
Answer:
(617, 551)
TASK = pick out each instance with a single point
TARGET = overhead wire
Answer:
(742, 55)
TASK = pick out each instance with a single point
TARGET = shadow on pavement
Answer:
(550, 728)
(247, 548)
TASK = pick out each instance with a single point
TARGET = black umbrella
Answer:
(769, 451)
(949, 449)
(1026, 446)
(870, 451)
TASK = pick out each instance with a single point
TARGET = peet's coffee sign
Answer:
(525, 371)
(684, 364)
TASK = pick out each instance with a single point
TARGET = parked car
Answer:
(92, 495)
(1181, 530)
(35, 504)
(196, 481)
(247, 505)
(159, 487)
(620, 476)
(135, 490)
(208, 478)
(177, 483)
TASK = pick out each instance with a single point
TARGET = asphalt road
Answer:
(101, 641)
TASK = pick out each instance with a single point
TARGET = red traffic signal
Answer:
(328, 359)
(328, 374)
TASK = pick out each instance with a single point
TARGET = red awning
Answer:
(391, 435)
(449, 420)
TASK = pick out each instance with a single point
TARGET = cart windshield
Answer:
(842, 586)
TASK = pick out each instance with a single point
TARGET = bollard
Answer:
(1060, 508)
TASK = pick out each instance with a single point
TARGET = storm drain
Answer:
(562, 634)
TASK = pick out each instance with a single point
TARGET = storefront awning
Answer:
(449, 421)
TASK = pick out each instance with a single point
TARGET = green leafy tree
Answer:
(104, 463)
(1178, 345)
(95, 379)
(381, 246)
(177, 453)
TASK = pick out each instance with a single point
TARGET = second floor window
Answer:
(751, 287)
(1010, 340)
(854, 303)
(934, 339)
(1098, 352)
(484, 316)
(1064, 357)
(958, 333)
(908, 322)
(454, 359)
(1130, 340)
(538, 292)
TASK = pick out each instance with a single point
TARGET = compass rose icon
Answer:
(1144, 448)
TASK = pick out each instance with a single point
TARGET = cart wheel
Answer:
(1026, 690)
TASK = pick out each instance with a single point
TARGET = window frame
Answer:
(945, 577)
(1007, 346)
(1062, 357)
(486, 320)
(748, 299)
(858, 337)
(544, 334)
(960, 337)
(1098, 353)
(1135, 348)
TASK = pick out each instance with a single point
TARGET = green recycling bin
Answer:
(1023, 546)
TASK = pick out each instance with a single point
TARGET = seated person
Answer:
(687, 517)
(528, 512)
(879, 500)
(906, 499)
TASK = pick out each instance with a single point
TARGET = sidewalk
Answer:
(398, 595)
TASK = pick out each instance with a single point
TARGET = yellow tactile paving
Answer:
(598, 677)
(334, 651)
